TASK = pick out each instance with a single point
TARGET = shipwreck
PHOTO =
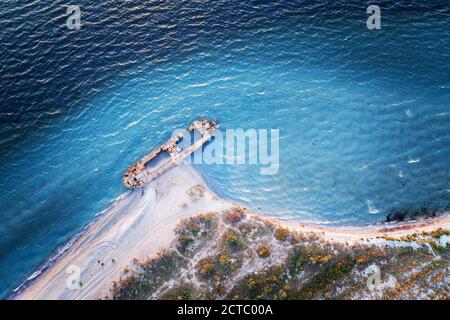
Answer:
(140, 173)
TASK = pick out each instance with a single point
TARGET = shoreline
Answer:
(353, 234)
(141, 223)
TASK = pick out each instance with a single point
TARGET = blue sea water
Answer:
(363, 115)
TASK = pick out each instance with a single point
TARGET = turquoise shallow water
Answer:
(363, 115)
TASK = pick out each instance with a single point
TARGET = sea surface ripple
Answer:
(363, 115)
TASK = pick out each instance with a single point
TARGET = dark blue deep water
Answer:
(363, 115)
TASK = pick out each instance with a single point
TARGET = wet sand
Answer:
(143, 222)
(136, 227)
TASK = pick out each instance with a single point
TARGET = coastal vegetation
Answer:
(237, 255)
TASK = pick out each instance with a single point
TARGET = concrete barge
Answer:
(139, 174)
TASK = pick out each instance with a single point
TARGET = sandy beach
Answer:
(143, 222)
(136, 227)
(354, 234)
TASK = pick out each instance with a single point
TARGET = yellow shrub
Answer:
(263, 251)
(281, 234)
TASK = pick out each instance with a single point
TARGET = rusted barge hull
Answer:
(139, 175)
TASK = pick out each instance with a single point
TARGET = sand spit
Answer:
(136, 227)
(143, 222)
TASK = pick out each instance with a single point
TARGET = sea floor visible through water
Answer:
(362, 114)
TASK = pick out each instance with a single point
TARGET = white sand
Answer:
(141, 224)
(137, 226)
